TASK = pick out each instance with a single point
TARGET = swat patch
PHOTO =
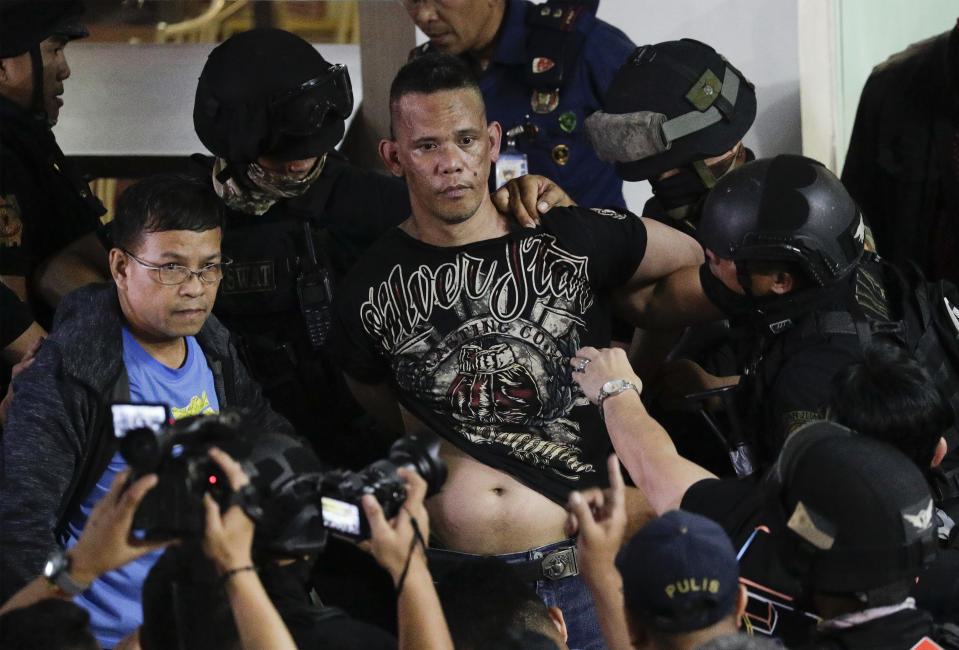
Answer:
(248, 277)
(11, 223)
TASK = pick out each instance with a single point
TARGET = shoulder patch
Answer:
(11, 223)
(610, 212)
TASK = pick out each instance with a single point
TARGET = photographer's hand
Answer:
(600, 518)
(228, 542)
(393, 543)
(229, 535)
(106, 542)
(399, 545)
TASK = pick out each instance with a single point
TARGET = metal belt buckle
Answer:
(560, 563)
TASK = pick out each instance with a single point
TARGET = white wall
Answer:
(757, 36)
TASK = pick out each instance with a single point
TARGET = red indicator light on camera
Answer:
(212, 480)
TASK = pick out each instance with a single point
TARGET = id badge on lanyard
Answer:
(511, 164)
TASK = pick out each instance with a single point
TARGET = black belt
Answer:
(554, 564)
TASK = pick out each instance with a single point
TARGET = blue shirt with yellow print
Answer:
(114, 600)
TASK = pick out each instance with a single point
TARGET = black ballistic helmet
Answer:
(287, 476)
(708, 105)
(25, 23)
(859, 514)
(788, 208)
(267, 91)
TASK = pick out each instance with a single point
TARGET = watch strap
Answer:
(60, 579)
(623, 386)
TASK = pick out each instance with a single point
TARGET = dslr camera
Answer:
(151, 442)
(342, 490)
(294, 502)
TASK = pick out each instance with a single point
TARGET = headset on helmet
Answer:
(269, 92)
(784, 209)
(671, 105)
(858, 513)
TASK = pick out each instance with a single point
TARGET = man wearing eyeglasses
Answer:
(146, 337)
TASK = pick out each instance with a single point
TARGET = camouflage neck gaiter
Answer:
(265, 186)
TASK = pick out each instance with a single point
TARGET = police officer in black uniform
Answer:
(784, 245)
(858, 531)
(675, 115)
(271, 109)
(45, 205)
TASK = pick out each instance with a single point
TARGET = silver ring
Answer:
(582, 365)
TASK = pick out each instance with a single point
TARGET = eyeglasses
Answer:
(172, 274)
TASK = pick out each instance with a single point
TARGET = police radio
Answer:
(315, 291)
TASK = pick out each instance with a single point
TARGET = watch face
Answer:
(54, 565)
(613, 385)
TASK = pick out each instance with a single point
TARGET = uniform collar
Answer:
(511, 49)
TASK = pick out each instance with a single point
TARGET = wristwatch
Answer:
(57, 573)
(614, 387)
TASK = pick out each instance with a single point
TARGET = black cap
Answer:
(679, 573)
(859, 513)
(267, 91)
(25, 23)
(677, 79)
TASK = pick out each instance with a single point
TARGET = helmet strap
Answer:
(705, 173)
(37, 106)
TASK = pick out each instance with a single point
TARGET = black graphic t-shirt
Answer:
(476, 339)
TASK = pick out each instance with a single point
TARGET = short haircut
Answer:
(890, 396)
(432, 73)
(165, 202)
(52, 624)
(485, 599)
(184, 604)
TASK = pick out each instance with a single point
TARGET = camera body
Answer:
(295, 503)
(177, 453)
(343, 490)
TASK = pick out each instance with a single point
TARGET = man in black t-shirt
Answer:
(469, 323)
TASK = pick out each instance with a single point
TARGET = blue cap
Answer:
(679, 573)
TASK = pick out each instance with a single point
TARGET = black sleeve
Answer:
(614, 240)
(736, 505)
(15, 316)
(13, 254)
(800, 391)
(349, 346)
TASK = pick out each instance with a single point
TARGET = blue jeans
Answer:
(569, 594)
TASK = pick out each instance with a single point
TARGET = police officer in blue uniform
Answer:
(543, 69)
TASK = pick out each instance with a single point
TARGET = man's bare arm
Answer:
(640, 441)
(78, 264)
(665, 291)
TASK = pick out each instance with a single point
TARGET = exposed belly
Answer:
(485, 511)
